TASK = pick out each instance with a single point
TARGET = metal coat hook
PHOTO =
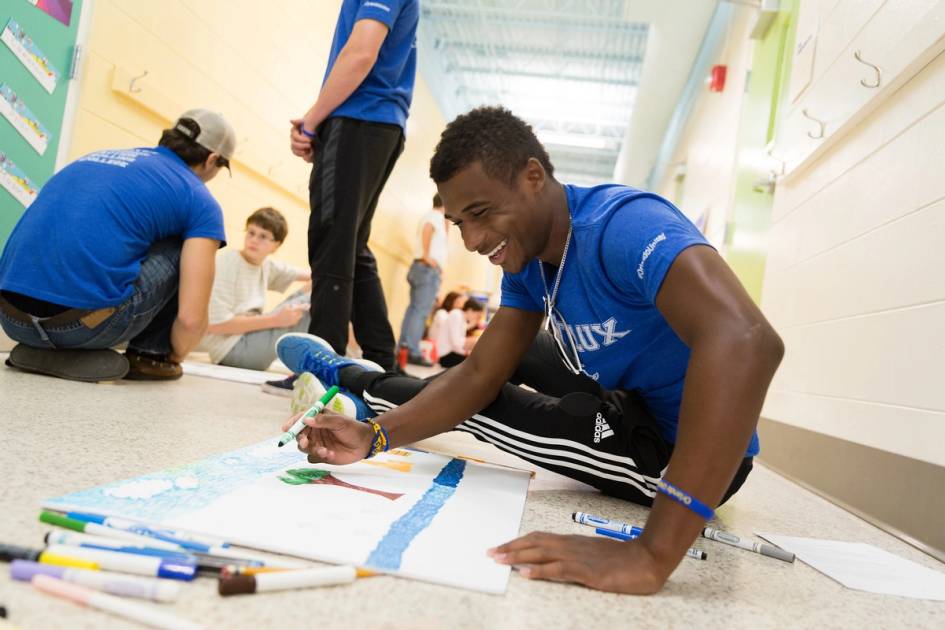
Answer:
(820, 123)
(876, 69)
(783, 163)
(132, 88)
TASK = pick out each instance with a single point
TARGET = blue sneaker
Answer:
(302, 352)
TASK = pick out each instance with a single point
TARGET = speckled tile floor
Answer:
(60, 436)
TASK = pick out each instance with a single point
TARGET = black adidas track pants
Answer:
(569, 424)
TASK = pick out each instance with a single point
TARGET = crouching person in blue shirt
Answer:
(118, 247)
(647, 361)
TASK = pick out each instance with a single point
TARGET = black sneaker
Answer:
(281, 387)
(90, 366)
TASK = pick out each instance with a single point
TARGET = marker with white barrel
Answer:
(106, 581)
(763, 548)
(153, 566)
(286, 580)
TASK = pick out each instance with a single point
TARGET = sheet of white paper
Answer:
(864, 567)
(222, 372)
(408, 513)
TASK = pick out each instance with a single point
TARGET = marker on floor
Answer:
(286, 580)
(109, 603)
(14, 552)
(85, 527)
(151, 566)
(583, 518)
(758, 547)
(207, 563)
(692, 552)
(204, 544)
(114, 583)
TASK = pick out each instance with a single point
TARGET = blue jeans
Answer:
(424, 283)
(256, 350)
(144, 320)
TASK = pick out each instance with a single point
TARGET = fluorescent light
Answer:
(572, 140)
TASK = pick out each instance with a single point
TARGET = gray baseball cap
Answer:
(215, 134)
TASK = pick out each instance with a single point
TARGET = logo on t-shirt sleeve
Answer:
(649, 250)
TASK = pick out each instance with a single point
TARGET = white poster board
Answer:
(406, 512)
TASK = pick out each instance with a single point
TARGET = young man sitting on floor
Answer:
(649, 375)
(240, 335)
(118, 247)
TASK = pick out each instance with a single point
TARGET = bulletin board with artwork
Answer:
(37, 43)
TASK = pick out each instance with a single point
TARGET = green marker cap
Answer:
(53, 518)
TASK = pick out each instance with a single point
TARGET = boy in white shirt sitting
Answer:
(240, 335)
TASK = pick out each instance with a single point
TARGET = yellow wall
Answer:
(260, 64)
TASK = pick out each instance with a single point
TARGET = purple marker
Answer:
(105, 581)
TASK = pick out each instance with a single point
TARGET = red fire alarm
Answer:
(717, 78)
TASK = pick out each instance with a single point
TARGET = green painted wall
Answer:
(56, 41)
(746, 245)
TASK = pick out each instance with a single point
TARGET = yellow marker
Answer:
(66, 561)
(233, 569)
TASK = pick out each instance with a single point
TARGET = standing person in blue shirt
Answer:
(119, 247)
(647, 384)
(424, 277)
(353, 135)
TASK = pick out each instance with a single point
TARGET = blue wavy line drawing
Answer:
(390, 550)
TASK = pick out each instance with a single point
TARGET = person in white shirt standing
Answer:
(240, 335)
(424, 278)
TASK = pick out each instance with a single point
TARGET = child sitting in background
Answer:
(457, 316)
(240, 335)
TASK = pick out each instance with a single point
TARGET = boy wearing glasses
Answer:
(240, 335)
(118, 247)
(648, 360)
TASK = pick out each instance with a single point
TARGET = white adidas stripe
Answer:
(494, 435)
(378, 404)
(566, 443)
(530, 456)
(633, 478)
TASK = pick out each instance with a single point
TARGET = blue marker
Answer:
(613, 534)
(697, 554)
(204, 562)
(186, 541)
(622, 531)
(605, 523)
(111, 560)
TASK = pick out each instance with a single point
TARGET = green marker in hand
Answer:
(316, 409)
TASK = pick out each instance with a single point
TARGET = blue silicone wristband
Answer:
(307, 134)
(684, 499)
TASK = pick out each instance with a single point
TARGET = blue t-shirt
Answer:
(81, 242)
(623, 243)
(385, 94)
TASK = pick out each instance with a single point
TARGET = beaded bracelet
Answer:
(381, 441)
(307, 134)
(687, 500)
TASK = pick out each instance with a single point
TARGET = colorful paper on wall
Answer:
(16, 182)
(30, 55)
(15, 110)
(409, 513)
(59, 9)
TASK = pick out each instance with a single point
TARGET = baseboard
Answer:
(901, 495)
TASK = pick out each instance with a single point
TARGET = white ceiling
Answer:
(575, 69)
(677, 28)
